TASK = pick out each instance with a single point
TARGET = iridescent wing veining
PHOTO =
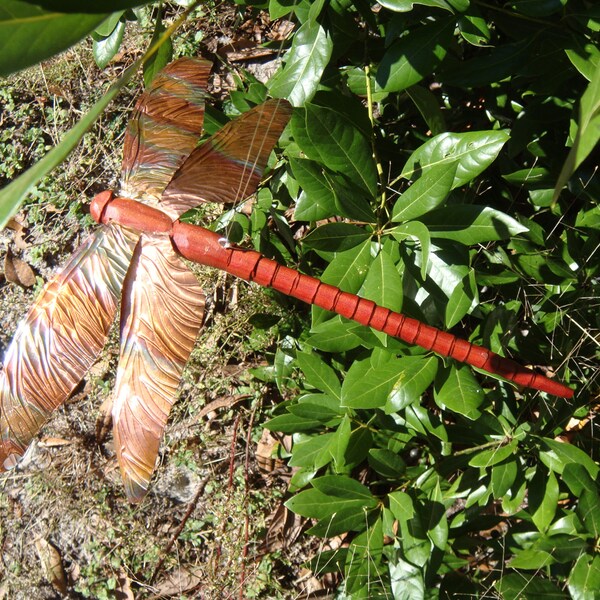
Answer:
(161, 315)
(60, 337)
(229, 165)
(164, 129)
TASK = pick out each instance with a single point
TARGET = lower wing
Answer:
(61, 337)
(161, 315)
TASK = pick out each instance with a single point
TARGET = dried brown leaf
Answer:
(123, 589)
(18, 271)
(52, 565)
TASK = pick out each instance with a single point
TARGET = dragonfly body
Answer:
(136, 257)
(206, 247)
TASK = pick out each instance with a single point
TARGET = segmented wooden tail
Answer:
(203, 246)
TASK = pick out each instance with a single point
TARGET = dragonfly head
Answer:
(99, 204)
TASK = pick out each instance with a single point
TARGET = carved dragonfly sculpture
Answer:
(135, 255)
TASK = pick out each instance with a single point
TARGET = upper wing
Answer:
(229, 165)
(60, 337)
(161, 315)
(164, 128)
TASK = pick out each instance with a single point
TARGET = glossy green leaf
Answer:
(366, 386)
(109, 24)
(540, 8)
(407, 581)
(588, 131)
(533, 559)
(346, 488)
(318, 200)
(354, 518)
(314, 504)
(364, 559)
(474, 28)
(105, 47)
(471, 224)
(429, 191)
(336, 237)
(312, 453)
(308, 410)
(585, 59)
(588, 510)
(503, 477)
(543, 498)
(162, 56)
(383, 284)
(408, 5)
(493, 456)
(290, 423)
(472, 152)
(30, 34)
(330, 138)
(459, 391)
(319, 374)
(304, 65)
(387, 463)
(578, 478)
(427, 104)
(417, 373)
(463, 299)
(401, 505)
(556, 455)
(584, 579)
(334, 335)
(339, 444)
(526, 586)
(417, 231)
(415, 55)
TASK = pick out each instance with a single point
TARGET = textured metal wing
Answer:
(161, 315)
(164, 128)
(60, 337)
(229, 165)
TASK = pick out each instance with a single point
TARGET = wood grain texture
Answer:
(60, 337)
(161, 315)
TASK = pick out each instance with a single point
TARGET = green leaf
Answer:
(504, 476)
(387, 463)
(543, 498)
(471, 224)
(319, 374)
(354, 518)
(312, 453)
(531, 559)
(291, 423)
(427, 104)
(335, 335)
(330, 138)
(336, 237)
(463, 299)
(105, 48)
(313, 504)
(527, 586)
(588, 510)
(472, 152)
(383, 284)
(318, 200)
(162, 56)
(415, 55)
(473, 27)
(588, 131)
(319, 412)
(407, 580)
(556, 456)
(366, 386)
(584, 579)
(459, 391)
(304, 65)
(344, 487)
(408, 5)
(29, 34)
(401, 505)
(493, 456)
(417, 231)
(417, 374)
(364, 558)
(429, 191)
